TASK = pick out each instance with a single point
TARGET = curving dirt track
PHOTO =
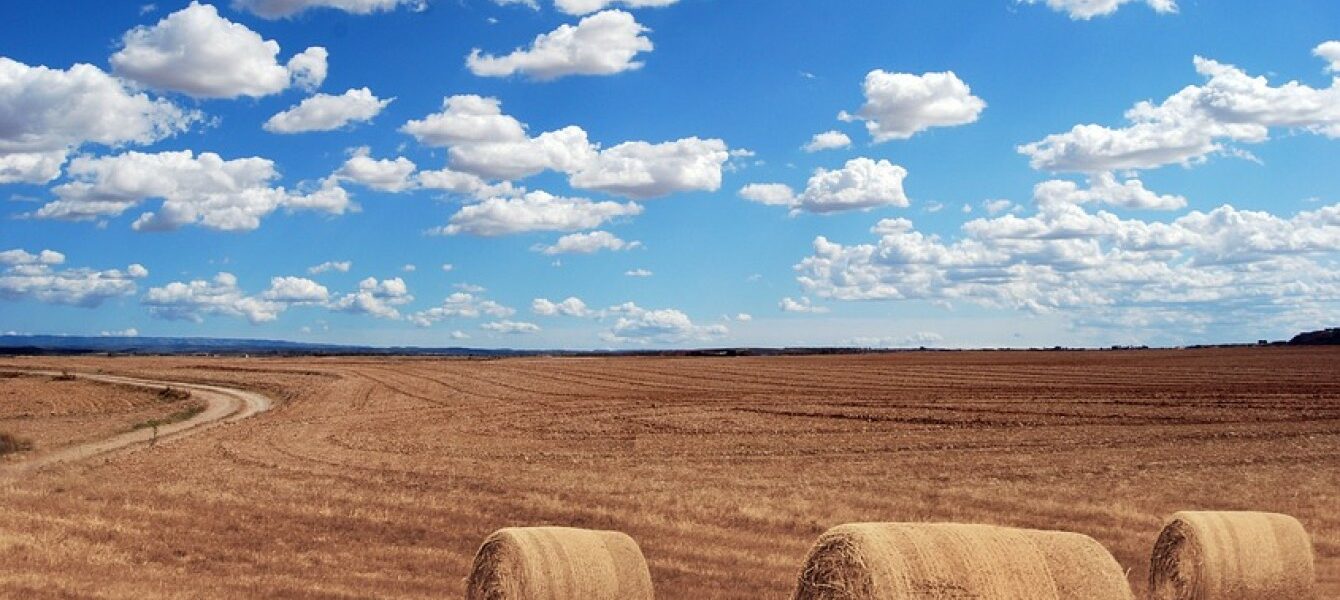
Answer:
(221, 405)
(380, 477)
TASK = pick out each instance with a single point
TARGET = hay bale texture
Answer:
(890, 561)
(1232, 556)
(559, 563)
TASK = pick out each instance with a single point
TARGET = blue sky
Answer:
(636, 173)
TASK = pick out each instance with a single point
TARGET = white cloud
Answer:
(385, 175)
(828, 140)
(278, 9)
(588, 243)
(376, 298)
(324, 112)
(197, 52)
(459, 335)
(448, 267)
(1105, 189)
(571, 307)
(640, 273)
(744, 317)
(994, 207)
(584, 7)
(665, 326)
(19, 256)
(230, 195)
(192, 301)
(296, 290)
(802, 305)
(1099, 267)
(861, 184)
(899, 105)
(536, 211)
(602, 44)
(47, 113)
(1088, 9)
(511, 327)
(916, 340)
(1330, 52)
(128, 332)
(465, 305)
(484, 143)
(409, 268)
(470, 288)
(641, 170)
(341, 266)
(33, 276)
(1192, 124)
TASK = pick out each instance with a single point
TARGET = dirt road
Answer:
(222, 405)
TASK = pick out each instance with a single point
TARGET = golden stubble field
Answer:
(380, 477)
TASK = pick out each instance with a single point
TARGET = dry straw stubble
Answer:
(1232, 556)
(559, 563)
(890, 561)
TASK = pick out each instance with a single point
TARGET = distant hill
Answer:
(1322, 337)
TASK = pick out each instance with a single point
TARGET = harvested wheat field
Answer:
(382, 477)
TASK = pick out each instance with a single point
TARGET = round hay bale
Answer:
(1232, 556)
(558, 563)
(888, 561)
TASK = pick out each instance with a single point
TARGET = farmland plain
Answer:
(380, 476)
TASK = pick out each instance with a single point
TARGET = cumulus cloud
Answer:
(384, 175)
(279, 9)
(1330, 52)
(900, 105)
(199, 53)
(464, 305)
(1105, 189)
(324, 112)
(639, 273)
(511, 327)
(483, 144)
(801, 305)
(1094, 264)
(605, 43)
(483, 141)
(28, 276)
(571, 307)
(376, 298)
(342, 266)
(193, 300)
(535, 211)
(641, 170)
(584, 7)
(666, 326)
(828, 140)
(47, 113)
(1193, 123)
(127, 332)
(228, 195)
(861, 184)
(1088, 9)
(296, 290)
(221, 296)
(588, 243)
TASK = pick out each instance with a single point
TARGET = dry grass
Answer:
(380, 477)
(55, 411)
